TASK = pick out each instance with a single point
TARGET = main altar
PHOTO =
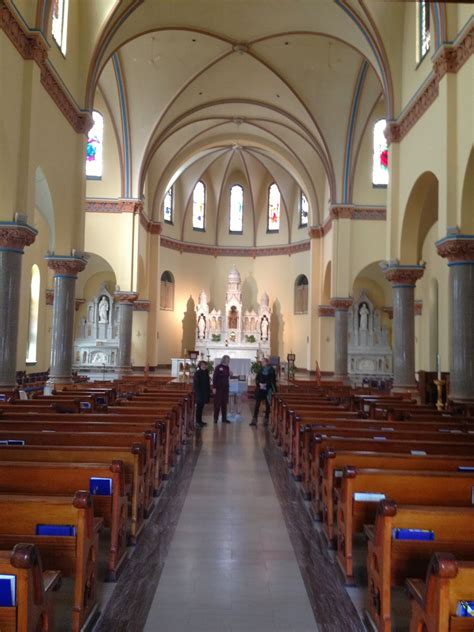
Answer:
(242, 335)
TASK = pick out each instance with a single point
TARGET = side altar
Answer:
(98, 341)
(240, 334)
(369, 351)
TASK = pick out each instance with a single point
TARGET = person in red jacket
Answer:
(220, 388)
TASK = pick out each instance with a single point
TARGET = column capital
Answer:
(66, 265)
(15, 236)
(342, 303)
(456, 248)
(127, 298)
(399, 274)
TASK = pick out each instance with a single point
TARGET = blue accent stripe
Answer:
(363, 30)
(469, 262)
(125, 126)
(405, 285)
(355, 109)
(17, 251)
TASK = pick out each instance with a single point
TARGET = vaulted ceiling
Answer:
(291, 83)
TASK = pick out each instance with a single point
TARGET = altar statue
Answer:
(233, 318)
(364, 313)
(264, 328)
(103, 310)
(201, 327)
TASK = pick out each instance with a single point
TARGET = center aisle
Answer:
(231, 566)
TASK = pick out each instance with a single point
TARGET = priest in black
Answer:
(202, 390)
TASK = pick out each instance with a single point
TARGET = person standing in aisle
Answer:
(220, 384)
(202, 390)
(265, 387)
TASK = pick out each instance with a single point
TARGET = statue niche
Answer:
(233, 318)
(370, 354)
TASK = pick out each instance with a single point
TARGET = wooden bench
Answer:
(434, 602)
(331, 425)
(75, 555)
(332, 464)
(61, 479)
(132, 458)
(455, 446)
(390, 561)
(34, 608)
(404, 487)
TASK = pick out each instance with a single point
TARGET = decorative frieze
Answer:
(456, 248)
(15, 236)
(341, 303)
(222, 251)
(141, 305)
(403, 274)
(66, 266)
(126, 297)
(326, 311)
(31, 45)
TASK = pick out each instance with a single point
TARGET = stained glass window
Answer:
(199, 206)
(59, 23)
(304, 210)
(34, 313)
(236, 220)
(168, 206)
(274, 201)
(94, 152)
(380, 159)
(424, 35)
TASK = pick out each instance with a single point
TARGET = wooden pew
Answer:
(97, 439)
(404, 487)
(434, 602)
(391, 561)
(75, 555)
(132, 458)
(455, 446)
(34, 609)
(332, 464)
(332, 425)
(61, 479)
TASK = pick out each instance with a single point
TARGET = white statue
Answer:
(364, 313)
(103, 310)
(264, 329)
(201, 327)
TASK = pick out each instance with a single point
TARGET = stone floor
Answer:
(230, 548)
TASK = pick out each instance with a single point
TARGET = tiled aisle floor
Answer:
(231, 566)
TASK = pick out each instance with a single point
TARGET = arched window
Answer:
(167, 291)
(274, 201)
(34, 311)
(380, 157)
(168, 205)
(236, 215)
(59, 23)
(423, 29)
(199, 206)
(301, 294)
(304, 210)
(94, 153)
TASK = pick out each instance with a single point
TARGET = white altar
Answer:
(242, 335)
(98, 342)
(369, 352)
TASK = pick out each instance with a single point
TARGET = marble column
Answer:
(403, 279)
(14, 236)
(341, 305)
(459, 251)
(65, 271)
(125, 302)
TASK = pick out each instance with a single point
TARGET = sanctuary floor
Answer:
(230, 548)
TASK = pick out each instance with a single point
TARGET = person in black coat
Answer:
(202, 389)
(265, 387)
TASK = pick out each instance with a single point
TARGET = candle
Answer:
(438, 366)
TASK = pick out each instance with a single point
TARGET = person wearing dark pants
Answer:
(202, 390)
(220, 384)
(265, 386)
